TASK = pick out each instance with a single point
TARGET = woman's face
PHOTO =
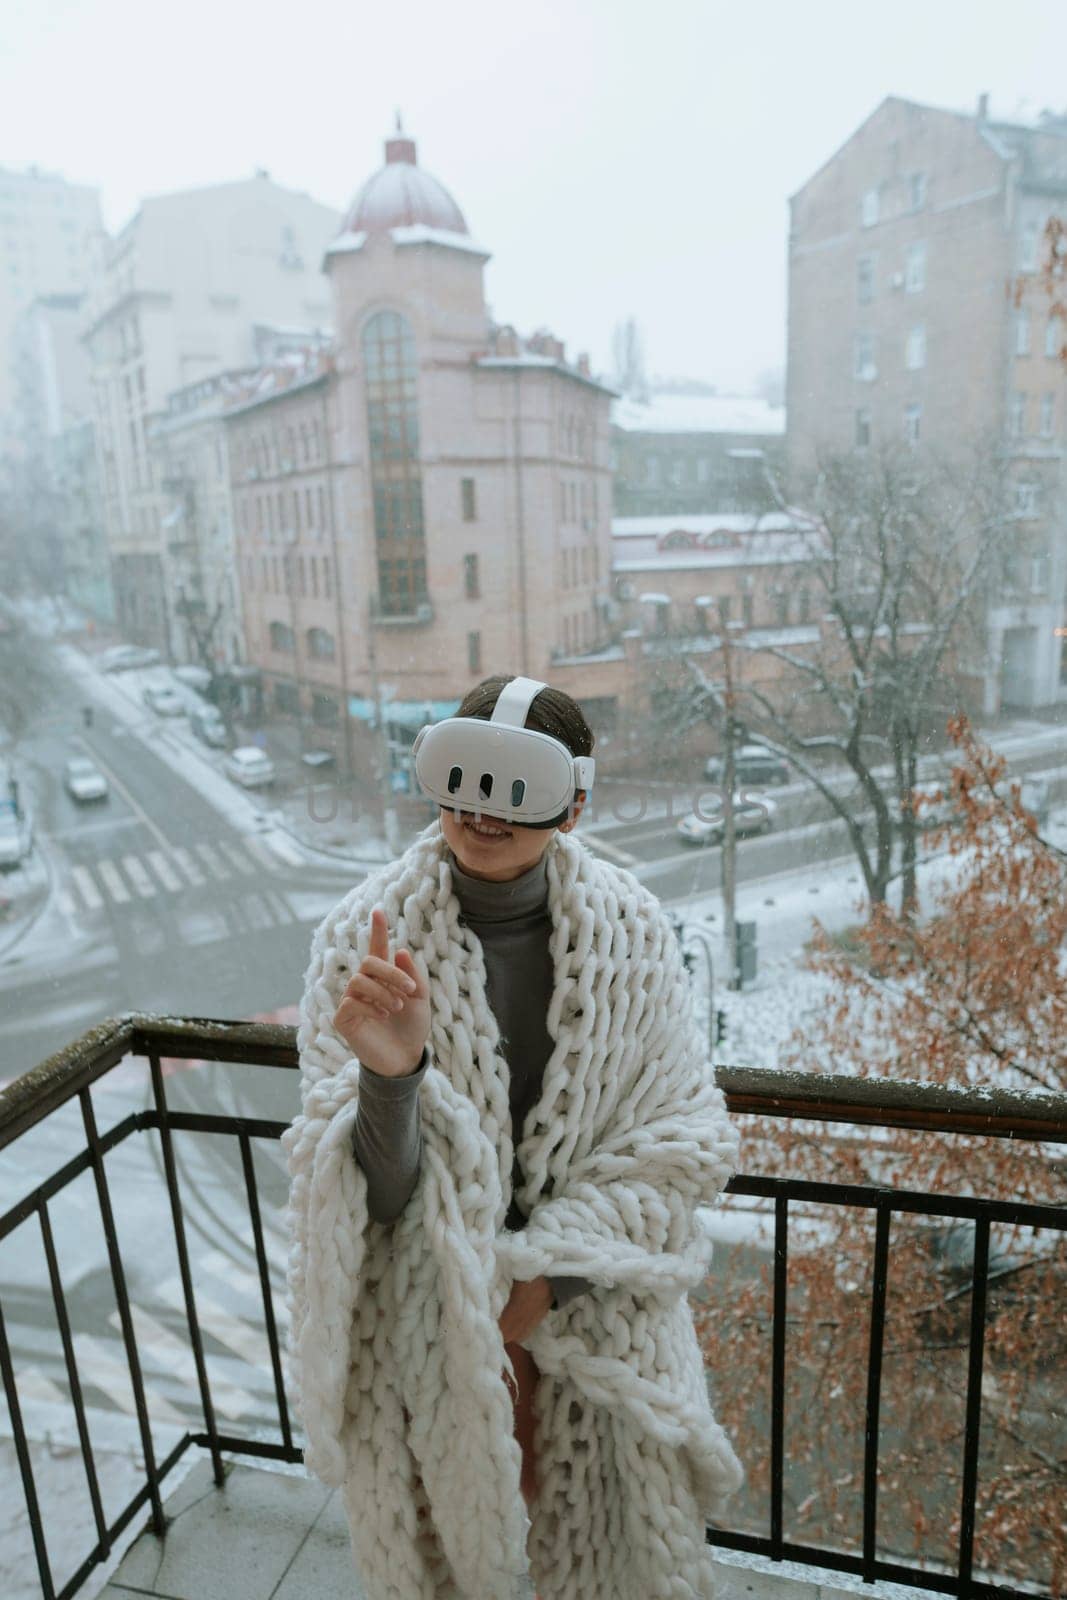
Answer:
(498, 860)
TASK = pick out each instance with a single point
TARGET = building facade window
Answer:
(865, 280)
(865, 368)
(1048, 415)
(747, 610)
(781, 607)
(1022, 333)
(470, 576)
(915, 268)
(1026, 497)
(863, 429)
(1039, 572)
(1017, 414)
(466, 494)
(474, 652)
(1028, 237)
(287, 697)
(869, 208)
(281, 638)
(320, 644)
(917, 190)
(1053, 337)
(913, 416)
(391, 368)
(915, 348)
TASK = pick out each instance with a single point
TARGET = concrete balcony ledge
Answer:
(277, 1534)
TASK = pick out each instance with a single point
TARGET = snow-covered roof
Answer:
(704, 522)
(699, 413)
(419, 233)
(656, 599)
(345, 242)
(402, 194)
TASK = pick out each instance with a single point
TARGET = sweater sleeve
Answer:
(387, 1138)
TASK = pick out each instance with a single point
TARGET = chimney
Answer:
(983, 108)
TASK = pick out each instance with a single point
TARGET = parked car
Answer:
(206, 722)
(83, 780)
(250, 766)
(753, 814)
(752, 764)
(164, 700)
(194, 677)
(318, 760)
(124, 657)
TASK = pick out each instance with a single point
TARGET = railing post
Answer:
(874, 1386)
(183, 1265)
(22, 1450)
(118, 1278)
(781, 1246)
(264, 1279)
(979, 1277)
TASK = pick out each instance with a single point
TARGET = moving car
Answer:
(206, 722)
(753, 814)
(124, 657)
(250, 766)
(752, 764)
(84, 781)
(164, 700)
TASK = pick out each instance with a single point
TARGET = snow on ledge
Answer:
(346, 242)
(419, 233)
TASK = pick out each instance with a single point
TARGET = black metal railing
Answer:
(70, 1075)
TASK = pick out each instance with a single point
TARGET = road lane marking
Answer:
(67, 903)
(156, 1344)
(137, 875)
(287, 853)
(87, 886)
(163, 870)
(113, 881)
(261, 852)
(211, 861)
(153, 828)
(184, 859)
(33, 1385)
(235, 854)
(623, 858)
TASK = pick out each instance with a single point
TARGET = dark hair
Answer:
(551, 711)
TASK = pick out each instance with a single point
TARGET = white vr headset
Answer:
(497, 767)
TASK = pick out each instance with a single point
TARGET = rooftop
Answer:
(699, 413)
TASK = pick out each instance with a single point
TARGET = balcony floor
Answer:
(278, 1535)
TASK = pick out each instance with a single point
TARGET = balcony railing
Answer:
(68, 1078)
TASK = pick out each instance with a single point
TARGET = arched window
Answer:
(281, 637)
(390, 369)
(320, 644)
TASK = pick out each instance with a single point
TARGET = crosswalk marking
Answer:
(163, 870)
(67, 903)
(260, 852)
(244, 1341)
(165, 1351)
(112, 1378)
(87, 885)
(137, 875)
(236, 855)
(113, 880)
(211, 861)
(185, 860)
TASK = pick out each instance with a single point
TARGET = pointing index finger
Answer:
(379, 934)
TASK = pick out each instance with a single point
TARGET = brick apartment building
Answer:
(433, 504)
(693, 453)
(916, 313)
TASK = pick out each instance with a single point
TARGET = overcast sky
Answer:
(618, 157)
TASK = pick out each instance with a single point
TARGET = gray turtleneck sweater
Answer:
(513, 923)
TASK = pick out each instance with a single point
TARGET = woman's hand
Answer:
(384, 1014)
(528, 1304)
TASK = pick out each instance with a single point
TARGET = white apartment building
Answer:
(182, 293)
(47, 230)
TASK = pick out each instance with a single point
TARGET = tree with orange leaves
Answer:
(972, 994)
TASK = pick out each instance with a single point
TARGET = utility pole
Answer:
(385, 789)
(729, 832)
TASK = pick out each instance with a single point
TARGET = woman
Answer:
(506, 1131)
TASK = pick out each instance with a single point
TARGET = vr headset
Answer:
(500, 768)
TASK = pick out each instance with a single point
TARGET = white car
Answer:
(194, 677)
(164, 700)
(83, 780)
(124, 657)
(250, 766)
(752, 814)
(16, 836)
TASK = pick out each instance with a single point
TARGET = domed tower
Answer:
(405, 243)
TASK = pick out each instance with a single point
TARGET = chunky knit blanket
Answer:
(395, 1357)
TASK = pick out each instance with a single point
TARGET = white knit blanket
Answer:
(630, 1137)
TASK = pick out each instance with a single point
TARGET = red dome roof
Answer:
(402, 195)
